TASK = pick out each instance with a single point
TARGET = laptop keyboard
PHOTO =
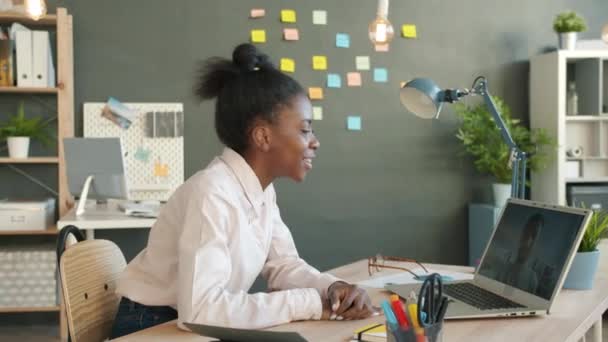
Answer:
(478, 297)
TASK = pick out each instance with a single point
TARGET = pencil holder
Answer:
(433, 333)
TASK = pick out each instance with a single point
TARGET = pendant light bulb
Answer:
(381, 30)
(35, 9)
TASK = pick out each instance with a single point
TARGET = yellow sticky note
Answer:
(315, 93)
(288, 16)
(288, 65)
(258, 36)
(317, 113)
(319, 62)
(408, 31)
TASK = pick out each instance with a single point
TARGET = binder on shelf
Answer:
(42, 60)
(6, 63)
(23, 42)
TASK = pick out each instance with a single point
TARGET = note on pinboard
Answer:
(353, 123)
(380, 75)
(319, 62)
(317, 113)
(342, 40)
(334, 81)
(362, 62)
(288, 65)
(319, 17)
(381, 47)
(408, 31)
(257, 13)
(258, 36)
(291, 34)
(288, 16)
(353, 79)
(315, 93)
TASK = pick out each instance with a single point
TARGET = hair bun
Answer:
(247, 58)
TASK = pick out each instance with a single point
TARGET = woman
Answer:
(222, 227)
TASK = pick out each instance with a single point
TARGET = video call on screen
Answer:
(530, 248)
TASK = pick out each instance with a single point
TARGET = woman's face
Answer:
(294, 143)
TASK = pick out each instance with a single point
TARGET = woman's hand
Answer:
(347, 301)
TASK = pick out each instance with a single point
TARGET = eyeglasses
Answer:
(375, 263)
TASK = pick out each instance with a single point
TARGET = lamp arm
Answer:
(518, 158)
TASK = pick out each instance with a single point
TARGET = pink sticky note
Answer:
(381, 48)
(353, 79)
(291, 34)
(257, 13)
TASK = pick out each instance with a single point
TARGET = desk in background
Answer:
(572, 316)
(103, 216)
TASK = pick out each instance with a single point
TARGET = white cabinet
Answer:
(586, 132)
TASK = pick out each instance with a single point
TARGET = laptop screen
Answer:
(530, 247)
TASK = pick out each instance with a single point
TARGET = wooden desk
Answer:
(573, 314)
(103, 216)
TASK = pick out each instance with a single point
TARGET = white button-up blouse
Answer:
(214, 236)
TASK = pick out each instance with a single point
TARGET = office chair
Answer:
(88, 272)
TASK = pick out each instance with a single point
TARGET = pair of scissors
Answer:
(430, 300)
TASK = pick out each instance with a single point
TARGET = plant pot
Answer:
(567, 40)
(18, 147)
(582, 271)
(502, 192)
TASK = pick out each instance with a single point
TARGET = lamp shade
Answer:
(422, 97)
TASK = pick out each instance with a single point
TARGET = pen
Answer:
(390, 316)
(399, 313)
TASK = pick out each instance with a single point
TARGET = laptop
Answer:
(523, 266)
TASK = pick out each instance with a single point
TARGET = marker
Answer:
(390, 316)
(399, 313)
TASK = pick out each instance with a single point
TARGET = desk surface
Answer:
(572, 315)
(103, 216)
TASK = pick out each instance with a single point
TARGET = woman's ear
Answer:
(262, 136)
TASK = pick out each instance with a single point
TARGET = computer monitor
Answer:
(95, 169)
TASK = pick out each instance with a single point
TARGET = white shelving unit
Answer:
(549, 76)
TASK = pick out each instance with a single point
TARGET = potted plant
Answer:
(583, 267)
(567, 25)
(18, 130)
(482, 139)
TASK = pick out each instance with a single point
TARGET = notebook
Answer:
(371, 333)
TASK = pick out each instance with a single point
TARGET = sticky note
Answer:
(319, 17)
(315, 93)
(380, 75)
(317, 113)
(319, 62)
(142, 154)
(334, 81)
(342, 40)
(288, 16)
(291, 34)
(353, 123)
(408, 31)
(257, 13)
(353, 79)
(381, 47)
(258, 36)
(362, 62)
(288, 65)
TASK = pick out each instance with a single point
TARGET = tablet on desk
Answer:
(244, 335)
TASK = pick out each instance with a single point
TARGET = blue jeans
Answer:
(132, 317)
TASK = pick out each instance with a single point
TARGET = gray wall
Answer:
(399, 187)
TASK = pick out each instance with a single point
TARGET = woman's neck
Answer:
(259, 168)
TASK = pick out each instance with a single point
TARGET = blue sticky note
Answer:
(380, 75)
(334, 81)
(353, 123)
(342, 40)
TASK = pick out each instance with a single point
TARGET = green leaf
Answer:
(19, 125)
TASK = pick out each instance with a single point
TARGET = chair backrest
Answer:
(89, 270)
